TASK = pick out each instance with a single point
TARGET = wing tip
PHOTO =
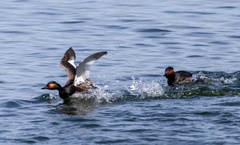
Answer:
(100, 54)
(104, 52)
(69, 55)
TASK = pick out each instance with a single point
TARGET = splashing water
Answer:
(99, 95)
(212, 84)
(146, 90)
(217, 79)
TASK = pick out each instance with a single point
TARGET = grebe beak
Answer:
(45, 87)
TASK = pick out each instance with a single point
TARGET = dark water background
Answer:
(133, 104)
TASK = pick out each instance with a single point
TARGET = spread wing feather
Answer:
(67, 63)
(82, 70)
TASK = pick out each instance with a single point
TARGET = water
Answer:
(133, 104)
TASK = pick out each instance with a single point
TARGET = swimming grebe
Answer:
(176, 77)
(78, 76)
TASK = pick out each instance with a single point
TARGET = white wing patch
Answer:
(83, 69)
(82, 72)
(72, 63)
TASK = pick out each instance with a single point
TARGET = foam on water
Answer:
(218, 78)
(145, 90)
(212, 84)
(99, 95)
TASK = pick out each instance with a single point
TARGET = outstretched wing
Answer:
(82, 70)
(67, 63)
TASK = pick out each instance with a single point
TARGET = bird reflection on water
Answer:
(77, 106)
(80, 103)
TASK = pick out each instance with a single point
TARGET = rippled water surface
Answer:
(133, 104)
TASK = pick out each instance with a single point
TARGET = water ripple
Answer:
(142, 38)
(153, 30)
(72, 22)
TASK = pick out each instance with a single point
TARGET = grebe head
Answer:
(52, 86)
(169, 71)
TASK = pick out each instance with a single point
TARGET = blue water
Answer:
(133, 104)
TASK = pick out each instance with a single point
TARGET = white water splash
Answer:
(146, 89)
(228, 80)
(216, 81)
(98, 95)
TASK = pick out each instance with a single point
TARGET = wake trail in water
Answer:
(213, 84)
